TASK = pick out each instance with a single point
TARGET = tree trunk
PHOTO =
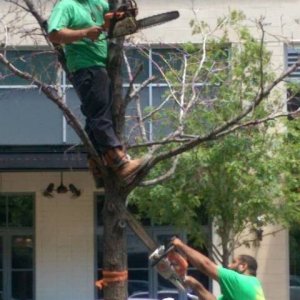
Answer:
(115, 246)
(226, 248)
(114, 239)
(114, 70)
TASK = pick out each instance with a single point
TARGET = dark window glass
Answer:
(16, 211)
(41, 64)
(294, 242)
(1, 285)
(73, 103)
(293, 103)
(3, 211)
(138, 259)
(293, 54)
(1, 258)
(138, 281)
(22, 285)
(99, 264)
(22, 252)
(27, 117)
(99, 252)
(22, 267)
(99, 209)
(166, 117)
(16, 249)
(20, 211)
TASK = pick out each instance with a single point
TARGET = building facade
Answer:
(50, 238)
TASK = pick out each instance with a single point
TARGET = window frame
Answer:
(6, 235)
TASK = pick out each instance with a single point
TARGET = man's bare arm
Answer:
(198, 288)
(198, 260)
(67, 36)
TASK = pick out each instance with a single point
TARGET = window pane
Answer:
(137, 264)
(3, 211)
(1, 285)
(22, 252)
(22, 285)
(99, 264)
(133, 131)
(138, 281)
(99, 252)
(100, 204)
(135, 59)
(73, 103)
(20, 211)
(41, 64)
(1, 258)
(166, 117)
(294, 263)
(138, 260)
(293, 54)
(166, 60)
(27, 117)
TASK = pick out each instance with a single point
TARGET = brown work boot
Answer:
(124, 167)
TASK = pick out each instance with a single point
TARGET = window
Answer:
(42, 64)
(33, 119)
(154, 62)
(294, 263)
(16, 246)
(293, 54)
(293, 98)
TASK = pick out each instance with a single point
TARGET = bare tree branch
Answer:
(163, 177)
(140, 122)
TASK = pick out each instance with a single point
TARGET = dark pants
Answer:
(93, 87)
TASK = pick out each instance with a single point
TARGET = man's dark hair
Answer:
(251, 263)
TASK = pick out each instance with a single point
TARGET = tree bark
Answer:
(114, 239)
(115, 245)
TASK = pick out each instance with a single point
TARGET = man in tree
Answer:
(238, 282)
(78, 25)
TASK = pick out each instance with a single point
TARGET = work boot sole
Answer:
(128, 179)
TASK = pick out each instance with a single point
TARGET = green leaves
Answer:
(247, 177)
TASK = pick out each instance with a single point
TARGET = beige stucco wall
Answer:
(273, 262)
(281, 17)
(64, 234)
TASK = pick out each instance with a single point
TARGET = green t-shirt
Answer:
(79, 14)
(235, 286)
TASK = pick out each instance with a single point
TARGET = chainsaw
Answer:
(170, 264)
(122, 21)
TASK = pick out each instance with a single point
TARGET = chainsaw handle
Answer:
(112, 16)
(178, 262)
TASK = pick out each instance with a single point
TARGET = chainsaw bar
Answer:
(157, 19)
(130, 25)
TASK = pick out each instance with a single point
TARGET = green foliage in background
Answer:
(244, 178)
